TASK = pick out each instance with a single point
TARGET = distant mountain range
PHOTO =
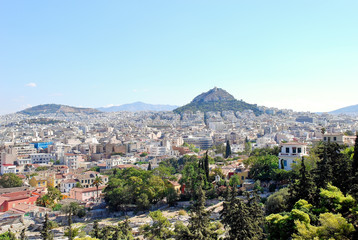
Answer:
(138, 106)
(56, 108)
(217, 99)
(346, 110)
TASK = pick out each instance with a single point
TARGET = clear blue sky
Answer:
(295, 54)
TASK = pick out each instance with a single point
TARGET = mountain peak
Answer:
(217, 99)
(214, 95)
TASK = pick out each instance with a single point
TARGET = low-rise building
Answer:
(11, 200)
(290, 152)
(86, 194)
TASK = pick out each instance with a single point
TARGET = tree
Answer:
(23, 234)
(159, 228)
(206, 166)
(354, 174)
(277, 202)
(332, 226)
(234, 181)
(199, 227)
(95, 231)
(46, 233)
(303, 187)
(49, 199)
(8, 235)
(149, 167)
(228, 149)
(9, 180)
(243, 221)
(97, 182)
(70, 210)
(262, 167)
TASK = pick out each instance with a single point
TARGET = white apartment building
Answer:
(42, 158)
(71, 160)
(290, 152)
(110, 163)
(7, 168)
(25, 149)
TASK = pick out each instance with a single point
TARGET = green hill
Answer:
(56, 108)
(217, 99)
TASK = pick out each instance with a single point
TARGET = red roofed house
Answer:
(10, 200)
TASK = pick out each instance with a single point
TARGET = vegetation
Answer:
(134, 186)
(71, 210)
(49, 200)
(97, 182)
(218, 106)
(9, 180)
(112, 232)
(242, 220)
(159, 229)
(227, 150)
(46, 233)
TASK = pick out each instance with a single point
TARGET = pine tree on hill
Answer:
(243, 221)
(199, 222)
(303, 187)
(228, 149)
(354, 174)
(206, 166)
(46, 233)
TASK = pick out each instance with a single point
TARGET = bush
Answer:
(182, 212)
(53, 224)
(272, 187)
(81, 213)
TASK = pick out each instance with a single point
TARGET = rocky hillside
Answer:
(56, 108)
(217, 99)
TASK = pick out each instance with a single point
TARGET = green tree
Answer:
(95, 230)
(46, 233)
(303, 187)
(243, 221)
(97, 182)
(9, 180)
(23, 234)
(199, 227)
(160, 228)
(262, 168)
(228, 149)
(332, 226)
(149, 167)
(8, 235)
(234, 181)
(70, 210)
(354, 174)
(277, 202)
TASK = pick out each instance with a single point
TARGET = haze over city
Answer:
(300, 55)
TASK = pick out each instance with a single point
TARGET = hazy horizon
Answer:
(299, 55)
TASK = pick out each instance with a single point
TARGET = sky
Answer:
(297, 54)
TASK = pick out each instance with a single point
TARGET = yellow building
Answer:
(37, 181)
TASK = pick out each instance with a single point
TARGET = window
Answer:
(325, 138)
(329, 138)
(242, 178)
(294, 150)
(285, 163)
(334, 138)
(287, 150)
(299, 150)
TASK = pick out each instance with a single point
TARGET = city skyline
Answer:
(296, 55)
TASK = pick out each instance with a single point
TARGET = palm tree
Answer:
(97, 182)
